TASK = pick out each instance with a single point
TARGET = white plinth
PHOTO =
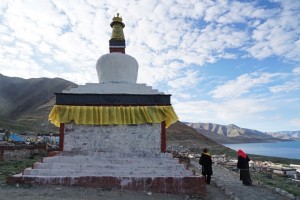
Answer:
(113, 88)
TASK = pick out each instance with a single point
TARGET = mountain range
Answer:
(26, 103)
(226, 134)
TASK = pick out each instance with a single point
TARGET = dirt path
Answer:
(232, 188)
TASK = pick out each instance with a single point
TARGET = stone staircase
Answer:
(134, 171)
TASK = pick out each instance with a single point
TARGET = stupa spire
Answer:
(117, 41)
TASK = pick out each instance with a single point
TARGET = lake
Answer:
(289, 149)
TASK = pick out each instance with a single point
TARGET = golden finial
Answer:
(117, 19)
(117, 26)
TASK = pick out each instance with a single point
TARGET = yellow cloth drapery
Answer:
(112, 115)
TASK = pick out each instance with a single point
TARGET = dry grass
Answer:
(276, 181)
(15, 166)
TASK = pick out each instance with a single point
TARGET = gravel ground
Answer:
(76, 193)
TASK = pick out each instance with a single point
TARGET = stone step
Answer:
(116, 154)
(108, 172)
(115, 160)
(109, 164)
(176, 185)
(105, 166)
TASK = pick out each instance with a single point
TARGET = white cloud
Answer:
(295, 122)
(231, 12)
(187, 79)
(6, 39)
(42, 33)
(242, 85)
(237, 110)
(290, 83)
(279, 34)
(244, 112)
(296, 71)
(25, 68)
(286, 87)
(44, 48)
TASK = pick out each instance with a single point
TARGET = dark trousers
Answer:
(207, 178)
(207, 172)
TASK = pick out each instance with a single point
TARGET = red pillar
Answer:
(163, 146)
(61, 137)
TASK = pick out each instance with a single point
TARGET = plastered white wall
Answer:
(143, 138)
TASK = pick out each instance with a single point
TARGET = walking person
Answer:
(206, 162)
(243, 165)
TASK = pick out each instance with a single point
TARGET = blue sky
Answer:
(224, 62)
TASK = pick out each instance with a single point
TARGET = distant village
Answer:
(30, 138)
(291, 171)
(14, 145)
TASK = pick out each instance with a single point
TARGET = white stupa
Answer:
(113, 133)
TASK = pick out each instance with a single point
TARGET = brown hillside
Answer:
(29, 101)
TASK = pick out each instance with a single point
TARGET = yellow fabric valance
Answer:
(113, 115)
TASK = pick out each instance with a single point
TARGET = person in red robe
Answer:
(243, 166)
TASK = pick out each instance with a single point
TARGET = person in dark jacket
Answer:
(206, 162)
(243, 165)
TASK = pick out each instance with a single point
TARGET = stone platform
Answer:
(126, 171)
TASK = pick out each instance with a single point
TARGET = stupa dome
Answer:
(117, 67)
